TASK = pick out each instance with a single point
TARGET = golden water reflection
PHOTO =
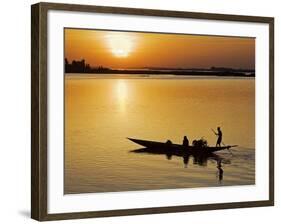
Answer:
(121, 92)
(101, 113)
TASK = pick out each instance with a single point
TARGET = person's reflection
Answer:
(169, 156)
(220, 171)
(186, 160)
(200, 160)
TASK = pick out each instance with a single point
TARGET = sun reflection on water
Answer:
(121, 95)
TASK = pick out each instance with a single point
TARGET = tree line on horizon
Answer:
(81, 66)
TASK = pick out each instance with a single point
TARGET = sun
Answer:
(120, 45)
(120, 53)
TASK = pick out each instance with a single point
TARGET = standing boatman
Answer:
(219, 134)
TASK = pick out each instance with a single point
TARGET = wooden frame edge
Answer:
(271, 111)
(39, 110)
(35, 192)
(158, 210)
(154, 12)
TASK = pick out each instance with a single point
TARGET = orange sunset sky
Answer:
(115, 49)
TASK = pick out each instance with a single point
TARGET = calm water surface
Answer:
(100, 113)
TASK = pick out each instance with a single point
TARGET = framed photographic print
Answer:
(138, 111)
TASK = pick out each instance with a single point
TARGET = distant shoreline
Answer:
(151, 76)
(82, 67)
(213, 73)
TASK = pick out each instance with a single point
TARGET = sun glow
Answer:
(120, 45)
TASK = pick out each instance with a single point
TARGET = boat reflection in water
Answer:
(197, 159)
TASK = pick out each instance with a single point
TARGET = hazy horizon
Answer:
(131, 50)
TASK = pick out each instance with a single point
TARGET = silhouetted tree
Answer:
(82, 67)
(66, 65)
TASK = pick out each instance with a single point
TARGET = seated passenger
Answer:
(185, 142)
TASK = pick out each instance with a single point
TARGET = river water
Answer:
(102, 111)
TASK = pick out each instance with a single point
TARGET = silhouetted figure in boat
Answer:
(219, 134)
(169, 143)
(185, 142)
(220, 171)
